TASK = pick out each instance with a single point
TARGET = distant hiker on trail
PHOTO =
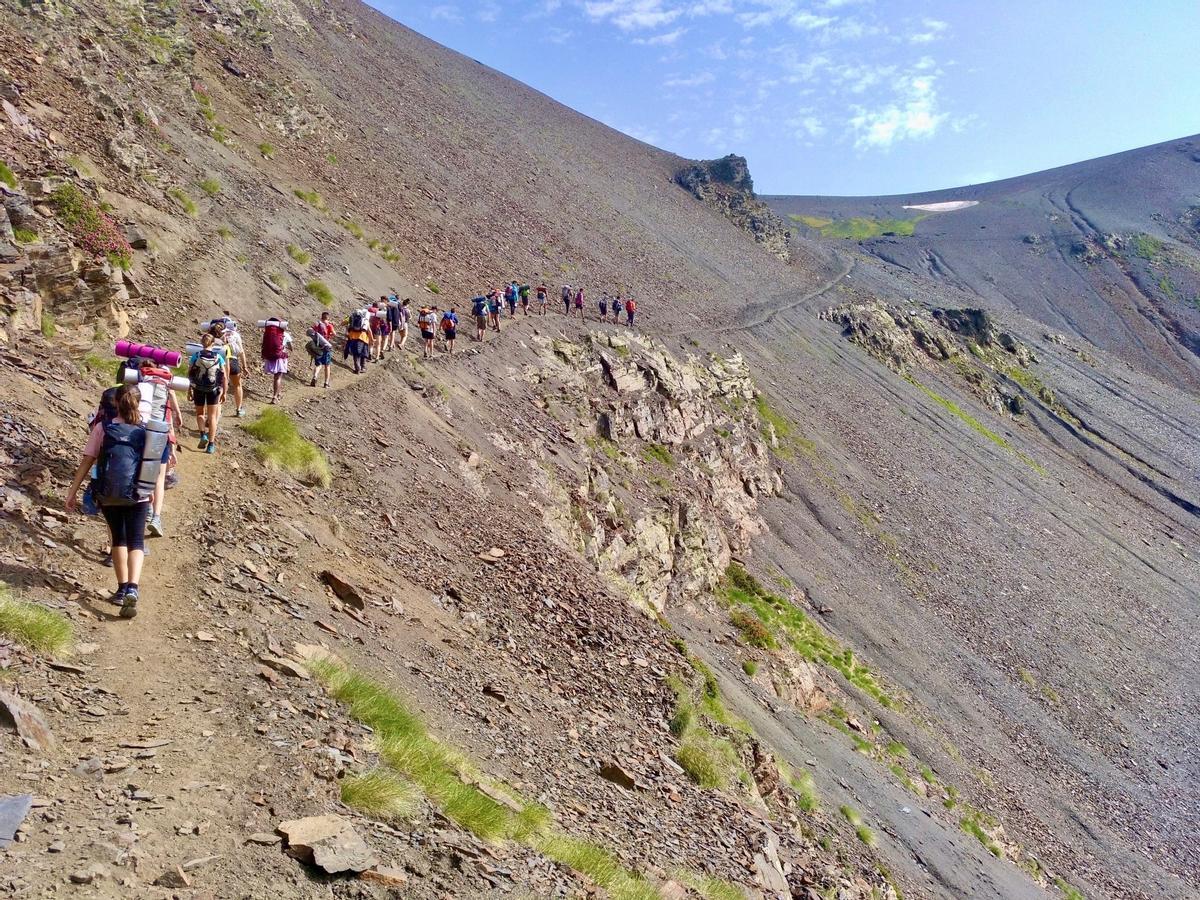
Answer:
(617, 305)
(630, 311)
(206, 377)
(427, 322)
(523, 293)
(542, 297)
(393, 320)
(156, 401)
(510, 297)
(566, 299)
(479, 309)
(450, 328)
(116, 448)
(405, 315)
(579, 304)
(358, 339)
(378, 323)
(494, 308)
(104, 414)
(320, 348)
(274, 354)
(235, 361)
(603, 308)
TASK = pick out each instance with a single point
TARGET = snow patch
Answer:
(947, 206)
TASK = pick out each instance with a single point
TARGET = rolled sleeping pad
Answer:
(128, 350)
(229, 324)
(262, 323)
(191, 348)
(156, 443)
(177, 383)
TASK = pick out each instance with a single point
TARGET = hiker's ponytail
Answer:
(128, 401)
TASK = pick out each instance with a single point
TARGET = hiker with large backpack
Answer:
(358, 339)
(479, 309)
(449, 328)
(494, 308)
(523, 294)
(579, 303)
(510, 298)
(274, 355)
(393, 320)
(320, 348)
(542, 296)
(206, 379)
(116, 448)
(236, 366)
(157, 403)
(566, 299)
(604, 307)
(427, 322)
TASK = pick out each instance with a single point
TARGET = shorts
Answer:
(426, 335)
(603, 309)
(275, 366)
(480, 321)
(450, 333)
(235, 368)
(206, 398)
(127, 524)
(384, 329)
(323, 358)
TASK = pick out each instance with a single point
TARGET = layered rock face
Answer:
(725, 184)
(675, 464)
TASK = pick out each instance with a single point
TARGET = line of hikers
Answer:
(129, 460)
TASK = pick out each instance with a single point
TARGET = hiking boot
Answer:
(203, 442)
(129, 603)
(118, 597)
(212, 448)
(313, 383)
(154, 526)
(241, 411)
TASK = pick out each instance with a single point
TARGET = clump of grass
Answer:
(711, 888)
(977, 426)
(34, 626)
(278, 280)
(186, 203)
(865, 834)
(25, 235)
(658, 453)
(312, 198)
(597, 864)
(754, 632)
(220, 134)
(1068, 890)
(210, 186)
(7, 177)
(1147, 246)
(225, 232)
(100, 366)
(267, 150)
(710, 761)
(803, 785)
(432, 287)
(354, 228)
(331, 158)
(49, 326)
(381, 793)
(790, 626)
(282, 447)
(301, 256)
(973, 823)
(895, 748)
(320, 292)
(750, 667)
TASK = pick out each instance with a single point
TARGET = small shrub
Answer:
(7, 177)
(353, 227)
(750, 667)
(312, 198)
(25, 235)
(90, 226)
(33, 626)
(301, 256)
(753, 631)
(282, 447)
(382, 794)
(432, 287)
(210, 186)
(186, 203)
(319, 291)
(267, 150)
(658, 453)
(1147, 246)
(331, 158)
(49, 326)
(708, 760)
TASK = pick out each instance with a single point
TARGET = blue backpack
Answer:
(479, 305)
(120, 461)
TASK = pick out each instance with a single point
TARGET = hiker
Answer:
(566, 299)
(542, 297)
(358, 338)
(479, 310)
(579, 303)
(375, 324)
(116, 448)
(393, 320)
(206, 389)
(427, 322)
(275, 356)
(449, 328)
(494, 308)
(105, 413)
(320, 348)
(604, 307)
(405, 314)
(630, 311)
(510, 298)
(523, 294)
(156, 402)
(617, 305)
(235, 362)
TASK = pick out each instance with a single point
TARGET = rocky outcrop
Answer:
(675, 466)
(725, 185)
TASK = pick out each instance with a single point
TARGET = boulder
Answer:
(328, 842)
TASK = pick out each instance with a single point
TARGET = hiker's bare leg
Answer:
(120, 556)
(135, 566)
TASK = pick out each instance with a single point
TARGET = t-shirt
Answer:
(325, 329)
(234, 348)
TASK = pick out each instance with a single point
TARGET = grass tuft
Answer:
(432, 287)
(34, 626)
(864, 834)
(282, 447)
(320, 292)
(1068, 890)
(711, 888)
(49, 326)
(267, 150)
(225, 232)
(354, 228)
(599, 865)
(750, 667)
(710, 761)
(753, 631)
(381, 793)
(25, 235)
(975, 425)
(210, 186)
(301, 256)
(7, 177)
(312, 198)
(806, 791)
(658, 453)
(186, 203)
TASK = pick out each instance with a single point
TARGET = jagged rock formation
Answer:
(725, 185)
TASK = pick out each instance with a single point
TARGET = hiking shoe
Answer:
(171, 481)
(154, 526)
(241, 411)
(313, 383)
(203, 442)
(129, 603)
(212, 448)
(118, 597)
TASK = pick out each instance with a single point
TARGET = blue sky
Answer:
(851, 96)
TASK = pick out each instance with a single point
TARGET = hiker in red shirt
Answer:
(630, 311)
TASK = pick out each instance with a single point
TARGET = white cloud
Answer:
(913, 115)
(665, 39)
(686, 81)
(935, 29)
(445, 12)
(629, 15)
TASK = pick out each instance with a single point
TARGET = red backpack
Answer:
(272, 344)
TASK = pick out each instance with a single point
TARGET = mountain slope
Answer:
(970, 592)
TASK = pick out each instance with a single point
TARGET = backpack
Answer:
(272, 343)
(357, 321)
(205, 372)
(317, 343)
(448, 323)
(479, 306)
(153, 397)
(120, 461)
